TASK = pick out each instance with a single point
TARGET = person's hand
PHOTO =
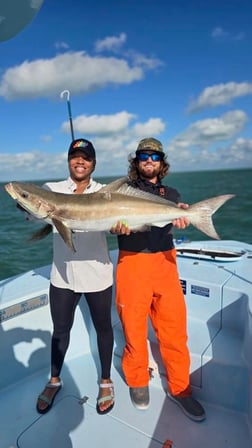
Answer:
(183, 222)
(120, 228)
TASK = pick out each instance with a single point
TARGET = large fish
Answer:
(101, 210)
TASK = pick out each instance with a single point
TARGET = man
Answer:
(147, 284)
(89, 271)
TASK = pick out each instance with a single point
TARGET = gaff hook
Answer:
(67, 93)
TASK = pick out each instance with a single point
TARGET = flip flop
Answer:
(103, 400)
(49, 401)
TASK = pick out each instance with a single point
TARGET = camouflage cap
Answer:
(151, 144)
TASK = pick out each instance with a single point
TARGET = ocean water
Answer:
(232, 221)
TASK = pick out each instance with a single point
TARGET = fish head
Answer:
(30, 197)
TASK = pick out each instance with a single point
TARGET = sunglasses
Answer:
(143, 157)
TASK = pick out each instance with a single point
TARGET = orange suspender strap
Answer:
(161, 191)
(168, 444)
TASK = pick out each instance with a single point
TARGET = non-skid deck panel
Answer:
(71, 425)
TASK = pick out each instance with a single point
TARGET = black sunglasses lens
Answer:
(143, 157)
(155, 157)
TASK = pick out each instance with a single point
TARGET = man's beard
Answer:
(149, 174)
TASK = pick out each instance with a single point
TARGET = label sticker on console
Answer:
(23, 307)
(200, 290)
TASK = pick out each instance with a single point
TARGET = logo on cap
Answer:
(80, 144)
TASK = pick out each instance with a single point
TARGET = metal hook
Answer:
(63, 93)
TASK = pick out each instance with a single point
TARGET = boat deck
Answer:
(219, 301)
(73, 422)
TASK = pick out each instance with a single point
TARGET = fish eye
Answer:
(24, 195)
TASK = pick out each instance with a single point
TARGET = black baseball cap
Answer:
(81, 144)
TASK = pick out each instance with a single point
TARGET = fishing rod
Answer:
(67, 93)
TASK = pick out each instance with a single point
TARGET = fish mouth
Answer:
(10, 189)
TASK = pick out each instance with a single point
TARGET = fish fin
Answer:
(201, 214)
(65, 233)
(127, 190)
(121, 186)
(115, 185)
(41, 233)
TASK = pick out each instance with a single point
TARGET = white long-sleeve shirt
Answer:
(88, 269)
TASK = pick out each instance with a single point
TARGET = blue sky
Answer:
(177, 70)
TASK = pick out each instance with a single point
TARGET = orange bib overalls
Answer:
(147, 285)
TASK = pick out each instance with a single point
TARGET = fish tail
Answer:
(201, 214)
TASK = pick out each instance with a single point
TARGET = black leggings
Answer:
(63, 303)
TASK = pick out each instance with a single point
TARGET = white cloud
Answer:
(239, 36)
(237, 152)
(100, 124)
(79, 71)
(204, 133)
(114, 137)
(114, 44)
(112, 159)
(62, 45)
(110, 43)
(220, 94)
(219, 33)
(236, 155)
(144, 61)
(32, 165)
(197, 148)
(119, 123)
(205, 144)
(154, 126)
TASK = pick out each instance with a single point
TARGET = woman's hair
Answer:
(94, 164)
(133, 172)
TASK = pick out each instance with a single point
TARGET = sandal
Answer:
(103, 400)
(45, 399)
